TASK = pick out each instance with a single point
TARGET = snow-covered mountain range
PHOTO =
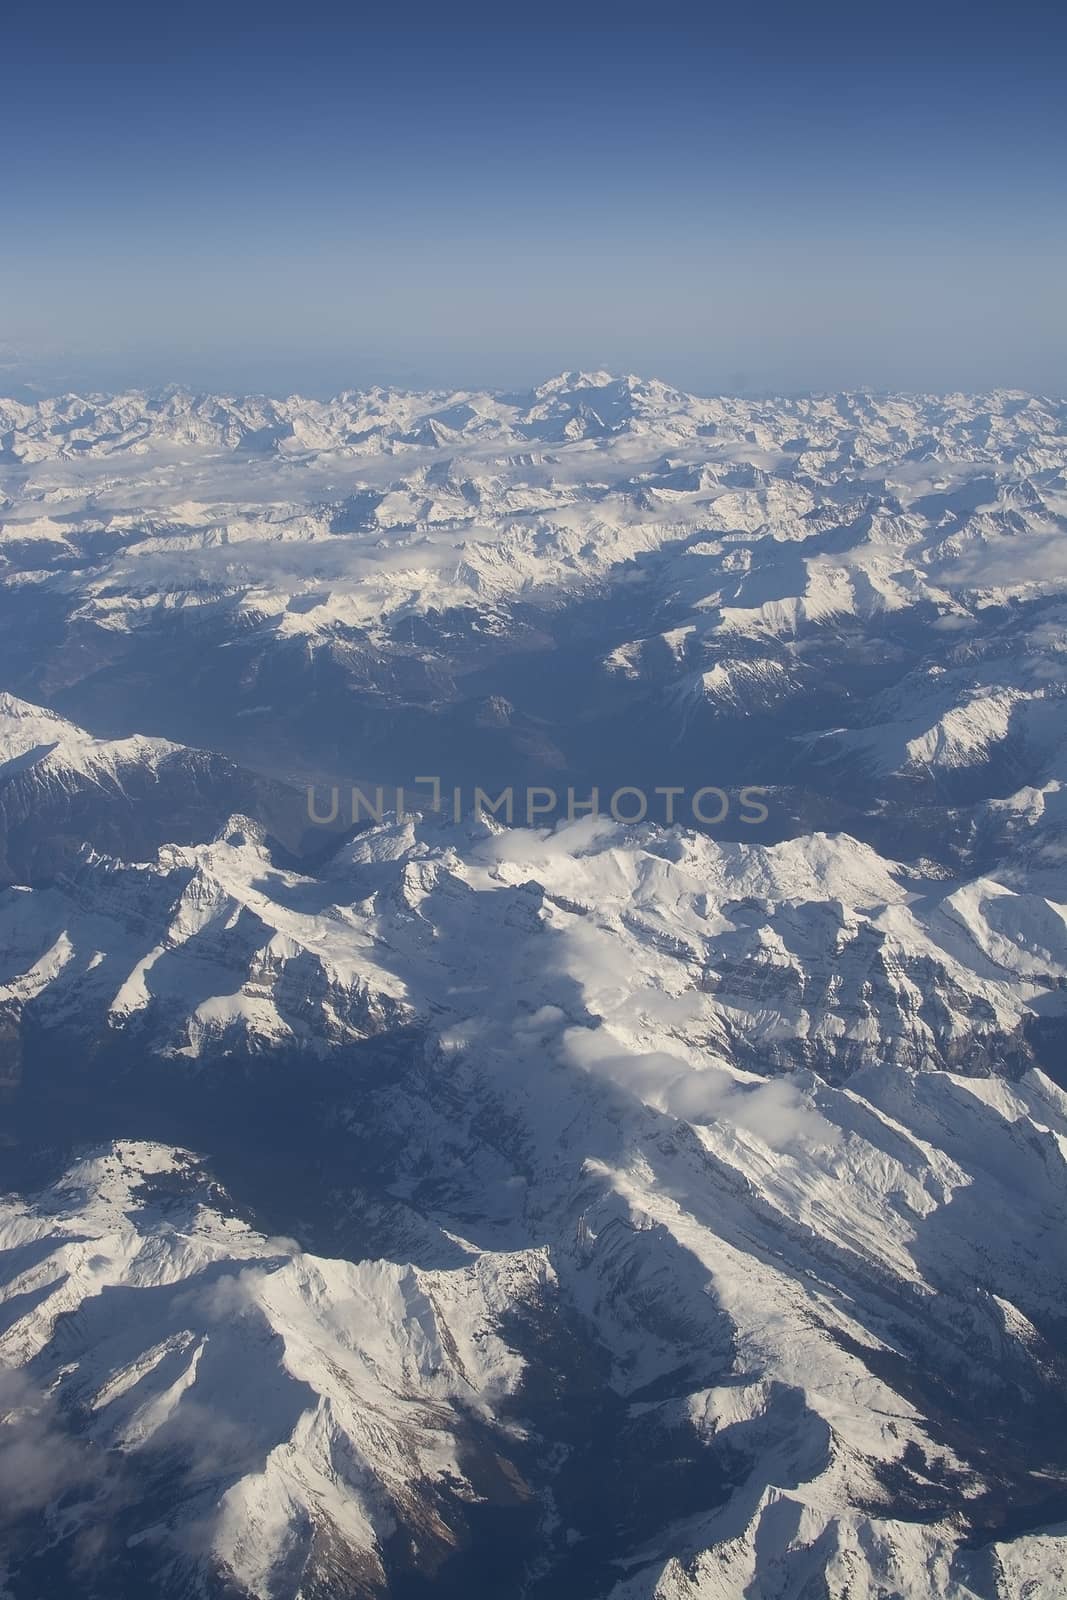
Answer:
(867, 588)
(435, 1207)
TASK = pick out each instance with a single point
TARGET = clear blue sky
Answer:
(801, 196)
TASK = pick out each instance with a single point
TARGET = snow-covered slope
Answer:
(595, 1212)
(222, 1401)
(792, 1287)
(814, 952)
(60, 788)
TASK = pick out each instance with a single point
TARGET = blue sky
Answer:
(314, 197)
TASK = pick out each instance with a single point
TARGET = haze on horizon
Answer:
(243, 198)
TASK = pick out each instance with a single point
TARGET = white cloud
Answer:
(774, 1111)
(39, 1460)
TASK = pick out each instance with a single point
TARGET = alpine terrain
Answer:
(620, 1152)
